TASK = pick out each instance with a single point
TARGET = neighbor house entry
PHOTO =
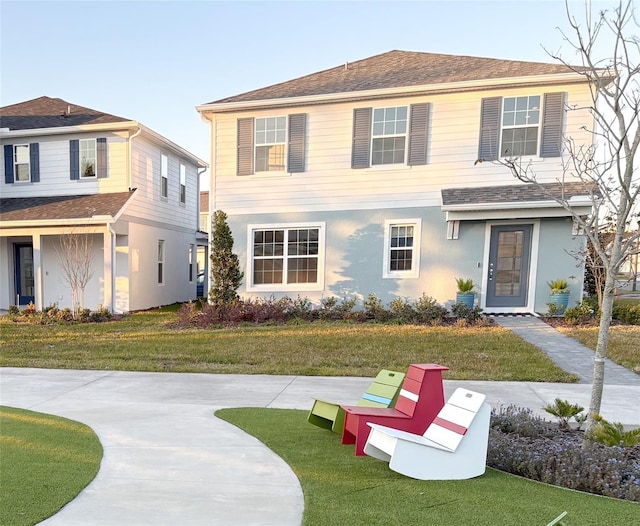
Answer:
(509, 262)
(24, 275)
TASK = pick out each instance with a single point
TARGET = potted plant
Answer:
(558, 295)
(465, 293)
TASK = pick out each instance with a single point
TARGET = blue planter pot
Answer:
(561, 300)
(466, 298)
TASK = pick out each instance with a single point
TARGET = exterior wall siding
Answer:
(353, 259)
(329, 183)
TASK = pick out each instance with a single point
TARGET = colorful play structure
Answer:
(419, 435)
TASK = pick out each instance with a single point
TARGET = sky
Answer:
(155, 61)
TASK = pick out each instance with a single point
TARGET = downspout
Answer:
(112, 285)
(130, 155)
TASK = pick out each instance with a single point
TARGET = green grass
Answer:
(340, 488)
(46, 461)
(146, 342)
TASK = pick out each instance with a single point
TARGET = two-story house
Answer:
(364, 179)
(130, 194)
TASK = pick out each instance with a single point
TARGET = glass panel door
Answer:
(25, 282)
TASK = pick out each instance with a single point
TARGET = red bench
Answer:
(421, 398)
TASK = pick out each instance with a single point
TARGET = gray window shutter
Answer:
(245, 146)
(8, 163)
(74, 155)
(418, 134)
(295, 150)
(489, 128)
(552, 121)
(101, 154)
(34, 162)
(361, 150)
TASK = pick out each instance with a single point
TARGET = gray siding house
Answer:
(364, 178)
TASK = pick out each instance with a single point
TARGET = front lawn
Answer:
(147, 342)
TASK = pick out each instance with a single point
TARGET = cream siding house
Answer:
(73, 170)
(365, 178)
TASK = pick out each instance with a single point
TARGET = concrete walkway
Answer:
(169, 461)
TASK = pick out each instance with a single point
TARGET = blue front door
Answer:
(25, 291)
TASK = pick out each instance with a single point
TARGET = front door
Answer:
(24, 273)
(509, 260)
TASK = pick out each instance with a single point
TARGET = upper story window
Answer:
(272, 144)
(520, 120)
(164, 175)
(394, 135)
(271, 134)
(402, 248)
(530, 125)
(183, 183)
(161, 262)
(88, 157)
(21, 163)
(21, 170)
(389, 135)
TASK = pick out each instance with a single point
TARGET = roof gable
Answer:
(396, 69)
(45, 112)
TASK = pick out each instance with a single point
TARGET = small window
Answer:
(164, 175)
(160, 262)
(402, 249)
(88, 157)
(270, 141)
(21, 164)
(389, 135)
(520, 123)
(192, 257)
(286, 257)
(183, 183)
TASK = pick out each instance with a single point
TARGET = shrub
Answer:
(470, 315)
(614, 434)
(374, 309)
(526, 445)
(564, 411)
(402, 310)
(14, 310)
(627, 312)
(581, 313)
(429, 311)
(334, 309)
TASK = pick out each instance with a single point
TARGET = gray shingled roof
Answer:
(45, 112)
(62, 207)
(511, 193)
(396, 69)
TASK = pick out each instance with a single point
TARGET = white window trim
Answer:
(285, 143)
(415, 260)
(16, 163)
(277, 287)
(164, 176)
(182, 184)
(95, 163)
(406, 139)
(514, 127)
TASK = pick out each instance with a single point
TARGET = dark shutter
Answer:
(74, 157)
(34, 162)
(361, 150)
(295, 149)
(8, 163)
(489, 128)
(552, 120)
(101, 154)
(418, 133)
(245, 146)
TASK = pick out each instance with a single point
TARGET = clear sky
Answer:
(154, 61)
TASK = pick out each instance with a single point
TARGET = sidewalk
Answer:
(168, 460)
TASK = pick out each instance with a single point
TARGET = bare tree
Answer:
(607, 168)
(74, 256)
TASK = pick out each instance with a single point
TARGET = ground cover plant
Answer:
(149, 341)
(340, 488)
(46, 462)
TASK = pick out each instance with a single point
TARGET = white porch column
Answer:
(37, 272)
(108, 269)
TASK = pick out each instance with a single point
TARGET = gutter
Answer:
(130, 154)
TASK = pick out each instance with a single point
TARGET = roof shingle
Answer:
(45, 112)
(511, 193)
(62, 207)
(395, 69)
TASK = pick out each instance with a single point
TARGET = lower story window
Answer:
(402, 248)
(286, 256)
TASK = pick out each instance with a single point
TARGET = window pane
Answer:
(22, 172)
(22, 153)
